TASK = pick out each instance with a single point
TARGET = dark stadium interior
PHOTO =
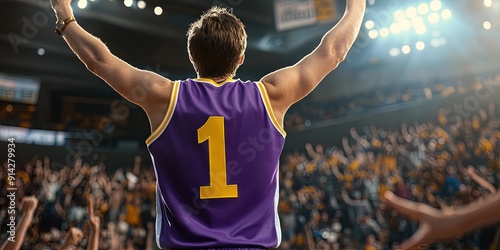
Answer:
(377, 106)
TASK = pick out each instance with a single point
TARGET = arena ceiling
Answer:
(29, 46)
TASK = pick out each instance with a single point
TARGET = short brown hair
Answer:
(216, 42)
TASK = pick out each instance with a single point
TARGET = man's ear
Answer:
(242, 59)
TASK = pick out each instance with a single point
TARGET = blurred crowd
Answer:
(330, 195)
(124, 200)
(397, 95)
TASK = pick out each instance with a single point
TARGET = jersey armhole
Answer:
(168, 115)
(269, 108)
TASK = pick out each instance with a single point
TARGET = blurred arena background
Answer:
(413, 109)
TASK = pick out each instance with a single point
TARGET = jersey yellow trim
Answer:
(269, 108)
(168, 115)
(216, 84)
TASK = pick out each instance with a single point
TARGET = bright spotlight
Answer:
(394, 52)
(370, 24)
(9, 108)
(488, 3)
(406, 49)
(421, 29)
(487, 25)
(436, 5)
(373, 34)
(423, 8)
(128, 3)
(446, 14)
(395, 28)
(411, 12)
(384, 32)
(41, 51)
(435, 42)
(406, 25)
(82, 4)
(420, 45)
(141, 4)
(434, 18)
(399, 16)
(417, 21)
(158, 10)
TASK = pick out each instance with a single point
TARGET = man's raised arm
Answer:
(288, 85)
(121, 76)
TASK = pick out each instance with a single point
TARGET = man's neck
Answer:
(216, 79)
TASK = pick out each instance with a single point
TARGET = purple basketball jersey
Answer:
(216, 157)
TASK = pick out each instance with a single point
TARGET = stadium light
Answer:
(158, 10)
(128, 3)
(384, 32)
(435, 42)
(394, 52)
(406, 25)
(434, 18)
(487, 25)
(141, 4)
(411, 12)
(406, 49)
(417, 21)
(373, 34)
(41, 51)
(436, 5)
(423, 8)
(370, 24)
(399, 16)
(488, 3)
(420, 29)
(420, 45)
(420, 23)
(82, 4)
(417, 18)
(446, 14)
(395, 28)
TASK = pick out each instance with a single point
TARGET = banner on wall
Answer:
(19, 89)
(33, 136)
(290, 14)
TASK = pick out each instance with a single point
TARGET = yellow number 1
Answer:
(213, 131)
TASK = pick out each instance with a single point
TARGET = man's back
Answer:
(216, 159)
(216, 169)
